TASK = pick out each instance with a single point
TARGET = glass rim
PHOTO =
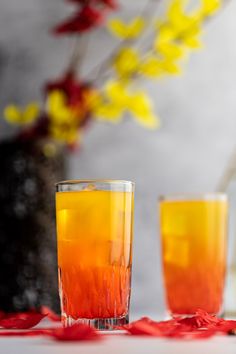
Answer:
(104, 181)
(193, 197)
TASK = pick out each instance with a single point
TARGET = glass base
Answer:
(107, 324)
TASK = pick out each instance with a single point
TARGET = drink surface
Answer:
(94, 230)
(194, 254)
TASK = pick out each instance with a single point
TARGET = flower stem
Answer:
(79, 52)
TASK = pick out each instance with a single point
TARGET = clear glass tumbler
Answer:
(94, 234)
(194, 238)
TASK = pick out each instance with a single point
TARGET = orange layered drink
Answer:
(94, 232)
(194, 237)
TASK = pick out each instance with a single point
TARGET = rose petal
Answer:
(144, 326)
(51, 315)
(199, 326)
(22, 320)
(76, 332)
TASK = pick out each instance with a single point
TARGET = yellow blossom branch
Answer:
(176, 34)
(105, 68)
(102, 68)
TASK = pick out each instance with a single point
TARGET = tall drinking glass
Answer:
(194, 238)
(94, 234)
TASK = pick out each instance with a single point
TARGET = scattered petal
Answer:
(22, 320)
(199, 326)
(77, 332)
(46, 310)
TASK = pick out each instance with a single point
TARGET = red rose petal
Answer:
(23, 320)
(51, 315)
(201, 325)
(144, 326)
(77, 332)
(71, 86)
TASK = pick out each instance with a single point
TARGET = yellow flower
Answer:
(168, 66)
(151, 67)
(65, 133)
(192, 42)
(126, 31)
(63, 119)
(117, 100)
(126, 63)
(176, 14)
(178, 46)
(58, 109)
(179, 23)
(179, 20)
(154, 67)
(176, 36)
(116, 91)
(109, 112)
(165, 33)
(141, 108)
(112, 105)
(170, 50)
(16, 115)
(209, 7)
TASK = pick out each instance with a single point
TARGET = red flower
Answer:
(37, 131)
(72, 88)
(76, 93)
(110, 3)
(85, 19)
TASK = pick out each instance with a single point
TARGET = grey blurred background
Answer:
(188, 154)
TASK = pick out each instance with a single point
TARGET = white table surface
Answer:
(116, 344)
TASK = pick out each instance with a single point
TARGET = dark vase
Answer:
(28, 261)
